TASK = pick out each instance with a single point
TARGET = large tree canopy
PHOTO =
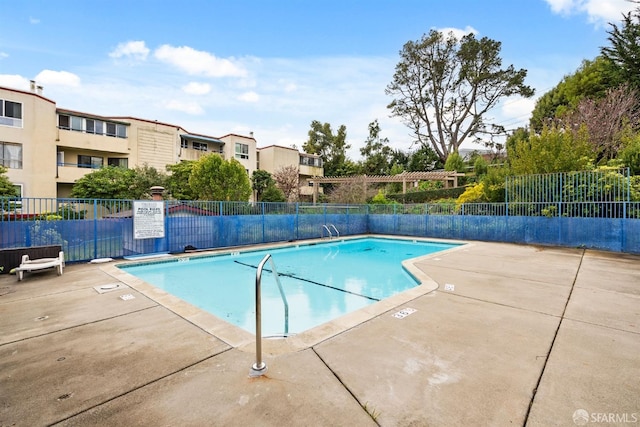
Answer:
(592, 80)
(213, 178)
(378, 156)
(260, 181)
(332, 148)
(106, 183)
(553, 150)
(443, 87)
(177, 183)
(118, 183)
(624, 51)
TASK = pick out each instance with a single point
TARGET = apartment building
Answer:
(274, 157)
(46, 148)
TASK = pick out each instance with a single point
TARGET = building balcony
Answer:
(70, 173)
(191, 154)
(87, 141)
(311, 170)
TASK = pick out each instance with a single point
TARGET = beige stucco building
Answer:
(274, 157)
(46, 148)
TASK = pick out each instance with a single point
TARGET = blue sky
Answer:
(272, 66)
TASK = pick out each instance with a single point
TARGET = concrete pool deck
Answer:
(513, 335)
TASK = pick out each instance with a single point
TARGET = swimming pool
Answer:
(321, 281)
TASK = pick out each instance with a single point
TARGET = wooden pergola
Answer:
(449, 178)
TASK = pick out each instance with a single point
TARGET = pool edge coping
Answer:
(238, 338)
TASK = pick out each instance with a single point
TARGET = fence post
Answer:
(95, 228)
(347, 220)
(296, 222)
(366, 215)
(167, 231)
(224, 240)
(263, 221)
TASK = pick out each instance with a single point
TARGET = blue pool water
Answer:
(321, 282)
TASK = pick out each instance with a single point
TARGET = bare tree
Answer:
(606, 119)
(288, 180)
(352, 192)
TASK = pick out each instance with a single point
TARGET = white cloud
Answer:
(516, 112)
(132, 49)
(287, 86)
(458, 32)
(599, 11)
(249, 97)
(196, 62)
(34, 21)
(15, 81)
(195, 88)
(188, 107)
(59, 78)
(3, 55)
(292, 93)
(563, 6)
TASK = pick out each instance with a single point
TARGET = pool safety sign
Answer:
(148, 219)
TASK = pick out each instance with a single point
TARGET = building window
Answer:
(111, 129)
(64, 122)
(242, 151)
(91, 126)
(118, 162)
(94, 126)
(76, 123)
(10, 113)
(11, 155)
(118, 130)
(184, 143)
(91, 162)
(311, 161)
(200, 146)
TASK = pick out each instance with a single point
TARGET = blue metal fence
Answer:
(90, 229)
(603, 185)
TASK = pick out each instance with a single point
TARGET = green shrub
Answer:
(427, 196)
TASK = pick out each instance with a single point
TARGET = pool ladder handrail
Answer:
(260, 368)
(326, 227)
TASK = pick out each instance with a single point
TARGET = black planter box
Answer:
(10, 258)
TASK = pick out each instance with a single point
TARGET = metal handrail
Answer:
(337, 232)
(260, 368)
(324, 226)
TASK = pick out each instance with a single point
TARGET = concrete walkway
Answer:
(514, 335)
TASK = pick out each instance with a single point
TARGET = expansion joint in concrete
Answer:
(184, 368)
(555, 336)
(370, 411)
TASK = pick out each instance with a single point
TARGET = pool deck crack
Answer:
(78, 325)
(155, 380)
(337, 377)
(553, 341)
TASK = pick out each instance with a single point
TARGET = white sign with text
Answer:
(148, 219)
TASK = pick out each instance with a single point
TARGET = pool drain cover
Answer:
(108, 287)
